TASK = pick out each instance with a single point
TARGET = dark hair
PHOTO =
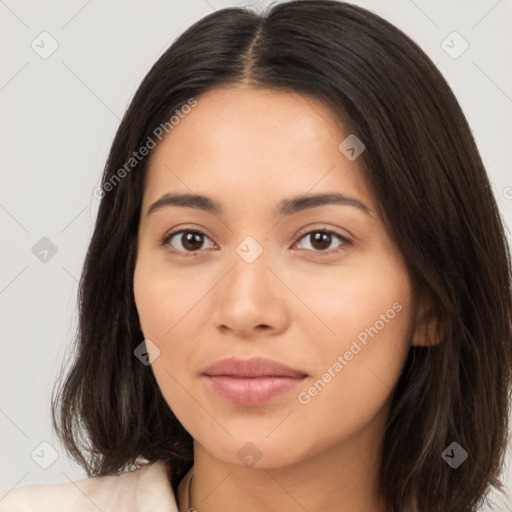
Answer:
(422, 165)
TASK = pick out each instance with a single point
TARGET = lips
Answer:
(255, 367)
(251, 382)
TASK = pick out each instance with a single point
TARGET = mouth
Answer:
(251, 382)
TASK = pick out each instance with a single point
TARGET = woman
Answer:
(297, 293)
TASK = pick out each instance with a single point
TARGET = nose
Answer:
(251, 299)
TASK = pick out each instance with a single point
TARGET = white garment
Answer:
(146, 489)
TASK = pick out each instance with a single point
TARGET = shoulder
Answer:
(141, 490)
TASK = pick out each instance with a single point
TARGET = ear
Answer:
(429, 327)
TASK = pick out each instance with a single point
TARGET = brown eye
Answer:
(187, 241)
(321, 240)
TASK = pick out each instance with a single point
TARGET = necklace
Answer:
(188, 493)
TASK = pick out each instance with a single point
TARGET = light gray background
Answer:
(59, 116)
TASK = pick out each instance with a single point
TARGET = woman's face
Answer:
(253, 281)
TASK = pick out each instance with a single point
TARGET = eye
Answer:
(189, 240)
(321, 239)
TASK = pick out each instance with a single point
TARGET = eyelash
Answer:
(345, 241)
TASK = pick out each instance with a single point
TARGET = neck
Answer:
(346, 475)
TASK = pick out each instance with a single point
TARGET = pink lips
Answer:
(251, 381)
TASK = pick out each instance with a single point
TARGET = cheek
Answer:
(368, 298)
(159, 309)
(166, 298)
(363, 359)
(363, 313)
(168, 305)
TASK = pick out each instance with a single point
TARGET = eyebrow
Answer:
(284, 208)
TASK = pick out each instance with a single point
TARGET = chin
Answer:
(257, 452)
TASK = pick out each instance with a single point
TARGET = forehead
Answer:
(255, 142)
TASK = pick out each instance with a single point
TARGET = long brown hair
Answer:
(425, 171)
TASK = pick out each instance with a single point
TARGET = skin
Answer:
(297, 303)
